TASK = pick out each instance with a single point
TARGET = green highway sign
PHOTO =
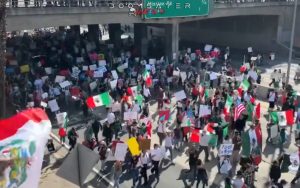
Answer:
(175, 8)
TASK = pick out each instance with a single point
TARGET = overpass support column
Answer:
(140, 39)
(94, 34)
(75, 29)
(114, 31)
(172, 40)
(175, 39)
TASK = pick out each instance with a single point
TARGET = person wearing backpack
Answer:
(201, 174)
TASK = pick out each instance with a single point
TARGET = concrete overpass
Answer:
(31, 18)
(271, 22)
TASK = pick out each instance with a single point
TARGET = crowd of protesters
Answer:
(232, 115)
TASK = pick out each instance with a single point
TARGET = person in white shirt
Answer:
(156, 157)
(204, 145)
(161, 132)
(271, 99)
(169, 144)
(144, 162)
(146, 93)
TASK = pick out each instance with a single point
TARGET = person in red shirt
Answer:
(195, 92)
(62, 134)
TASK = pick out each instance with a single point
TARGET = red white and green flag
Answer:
(22, 142)
(283, 117)
(252, 144)
(147, 78)
(228, 104)
(99, 100)
(245, 85)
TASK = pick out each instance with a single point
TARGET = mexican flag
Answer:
(245, 85)
(22, 142)
(250, 109)
(228, 104)
(99, 100)
(146, 75)
(195, 136)
(283, 118)
(252, 143)
(147, 78)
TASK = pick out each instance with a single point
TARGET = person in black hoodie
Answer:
(275, 172)
(241, 123)
(96, 125)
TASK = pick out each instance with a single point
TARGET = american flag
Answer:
(238, 110)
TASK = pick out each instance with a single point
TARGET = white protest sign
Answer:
(169, 80)
(44, 95)
(204, 110)
(59, 79)
(98, 74)
(253, 58)
(174, 56)
(93, 67)
(213, 76)
(176, 73)
(294, 159)
(253, 74)
(125, 65)
(121, 150)
(93, 85)
(113, 84)
(85, 68)
(250, 49)
(65, 84)
(189, 50)
(43, 104)
(75, 70)
(152, 61)
(30, 104)
(208, 47)
(61, 117)
(102, 63)
(148, 67)
(180, 95)
(53, 105)
(226, 149)
(183, 76)
(102, 69)
(79, 60)
(116, 107)
(44, 78)
(130, 115)
(48, 70)
(114, 74)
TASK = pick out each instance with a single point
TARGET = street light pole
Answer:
(291, 43)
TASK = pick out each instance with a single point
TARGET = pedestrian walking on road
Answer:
(103, 151)
(96, 127)
(144, 162)
(72, 136)
(201, 174)
(275, 172)
(117, 173)
(296, 177)
(156, 157)
(134, 170)
(193, 157)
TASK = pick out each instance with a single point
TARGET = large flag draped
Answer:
(247, 142)
(228, 104)
(22, 141)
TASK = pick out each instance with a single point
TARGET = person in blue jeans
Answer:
(134, 170)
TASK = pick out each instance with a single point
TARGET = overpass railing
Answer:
(116, 3)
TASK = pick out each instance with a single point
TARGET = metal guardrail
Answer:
(110, 3)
